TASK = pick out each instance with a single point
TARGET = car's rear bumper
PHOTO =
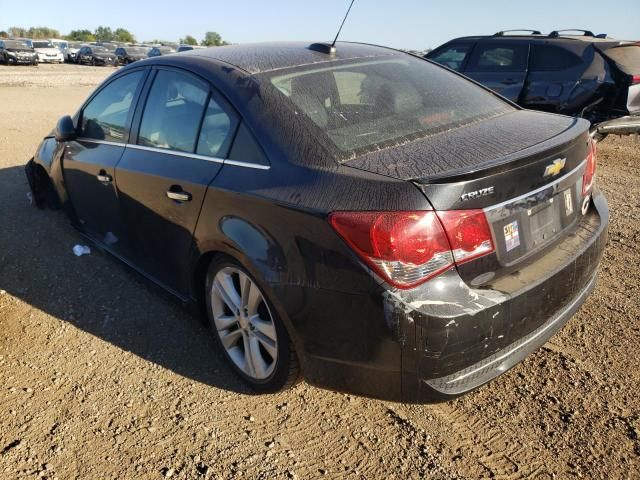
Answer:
(454, 354)
(444, 338)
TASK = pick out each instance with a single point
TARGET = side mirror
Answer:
(65, 130)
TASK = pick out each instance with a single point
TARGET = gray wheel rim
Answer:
(244, 323)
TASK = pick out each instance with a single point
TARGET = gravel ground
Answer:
(104, 376)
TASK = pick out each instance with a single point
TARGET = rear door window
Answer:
(550, 58)
(626, 57)
(499, 57)
(106, 116)
(217, 127)
(173, 112)
(452, 56)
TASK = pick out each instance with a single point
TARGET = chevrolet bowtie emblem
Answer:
(555, 168)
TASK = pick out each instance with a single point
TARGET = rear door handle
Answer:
(509, 82)
(176, 193)
(104, 177)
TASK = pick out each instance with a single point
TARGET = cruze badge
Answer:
(555, 168)
(483, 192)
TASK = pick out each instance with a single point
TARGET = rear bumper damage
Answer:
(470, 336)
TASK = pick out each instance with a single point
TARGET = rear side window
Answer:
(452, 56)
(106, 115)
(246, 149)
(367, 104)
(499, 57)
(173, 112)
(216, 131)
(550, 58)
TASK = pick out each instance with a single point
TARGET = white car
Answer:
(47, 52)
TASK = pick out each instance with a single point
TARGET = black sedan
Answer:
(127, 55)
(14, 52)
(96, 56)
(363, 217)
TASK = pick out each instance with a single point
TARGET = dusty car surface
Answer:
(364, 217)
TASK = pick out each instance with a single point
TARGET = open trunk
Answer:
(523, 169)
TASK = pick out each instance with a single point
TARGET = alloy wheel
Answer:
(244, 323)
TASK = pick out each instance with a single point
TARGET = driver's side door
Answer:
(89, 161)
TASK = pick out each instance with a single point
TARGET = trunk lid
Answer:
(524, 169)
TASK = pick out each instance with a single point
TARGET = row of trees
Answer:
(103, 34)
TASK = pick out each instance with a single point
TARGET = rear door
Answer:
(501, 66)
(89, 161)
(184, 133)
(554, 73)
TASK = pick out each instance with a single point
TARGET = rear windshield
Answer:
(626, 57)
(13, 44)
(369, 104)
(43, 45)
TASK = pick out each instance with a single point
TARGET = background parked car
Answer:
(13, 52)
(47, 52)
(70, 52)
(95, 55)
(590, 76)
(126, 55)
(159, 51)
(185, 48)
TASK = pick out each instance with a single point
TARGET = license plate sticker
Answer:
(511, 235)
(568, 203)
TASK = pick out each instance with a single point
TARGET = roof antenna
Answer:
(331, 49)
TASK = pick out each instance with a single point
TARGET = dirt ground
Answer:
(103, 376)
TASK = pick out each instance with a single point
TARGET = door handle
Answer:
(509, 81)
(176, 193)
(104, 177)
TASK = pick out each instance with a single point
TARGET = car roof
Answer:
(263, 57)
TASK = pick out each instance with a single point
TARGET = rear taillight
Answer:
(589, 176)
(409, 248)
(635, 80)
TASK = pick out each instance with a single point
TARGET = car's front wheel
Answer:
(248, 329)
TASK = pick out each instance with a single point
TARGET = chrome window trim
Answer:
(101, 142)
(224, 161)
(551, 185)
(177, 153)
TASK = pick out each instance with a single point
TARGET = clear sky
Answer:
(410, 24)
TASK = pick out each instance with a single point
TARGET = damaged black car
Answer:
(14, 52)
(357, 216)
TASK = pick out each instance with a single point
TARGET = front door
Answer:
(89, 162)
(501, 66)
(184, 133)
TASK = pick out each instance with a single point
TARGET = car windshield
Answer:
(13, 44)
(369, 104)
(43, 45)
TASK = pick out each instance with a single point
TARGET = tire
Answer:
(250, 332)
(93, 62)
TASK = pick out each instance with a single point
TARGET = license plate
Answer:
(511, 235)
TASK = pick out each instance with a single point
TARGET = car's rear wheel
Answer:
(248, 329)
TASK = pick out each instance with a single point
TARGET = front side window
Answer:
(499, 58)
(452, 56)
(106, 115)
(173, 112)
(365, 104)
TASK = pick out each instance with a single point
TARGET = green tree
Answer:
(81, 36)
(123, 35)
(213, 39)
(42, 32)
(103, 34)
(3, 34)
(189, 40)
(17, 32)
